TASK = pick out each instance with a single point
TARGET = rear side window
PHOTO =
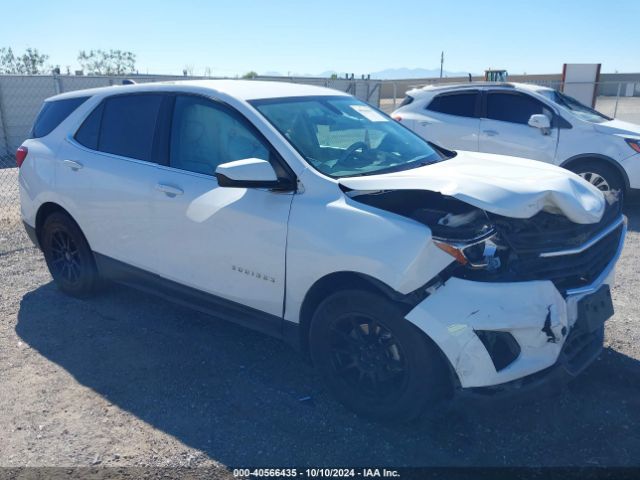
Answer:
(89, 132)
(53, 113)
(462, 104)
(123, 125)
(407, 100)
(514, 107)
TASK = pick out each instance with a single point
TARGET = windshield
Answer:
(341, 136)
(578, 109)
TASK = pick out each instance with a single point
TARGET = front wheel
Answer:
(602, 176)
(68, 256)
(373, 360)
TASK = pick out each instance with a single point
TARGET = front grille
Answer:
(569, 271)
(525, 246)
(546, 232)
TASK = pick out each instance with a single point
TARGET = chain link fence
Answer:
(21, 97)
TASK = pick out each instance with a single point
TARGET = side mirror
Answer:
(247, 173)
(540, 121)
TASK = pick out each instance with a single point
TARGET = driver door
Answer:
(504, 129)
(229, 242)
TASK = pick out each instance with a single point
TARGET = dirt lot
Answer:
(128, 379)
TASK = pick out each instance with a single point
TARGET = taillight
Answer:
(397, 118)
(21, 154)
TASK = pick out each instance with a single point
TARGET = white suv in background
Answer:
(527, 121)
(407, 272)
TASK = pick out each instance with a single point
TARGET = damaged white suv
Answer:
(408, 272)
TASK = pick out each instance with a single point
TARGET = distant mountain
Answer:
(386, 74)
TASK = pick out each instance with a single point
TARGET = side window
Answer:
(514, 107)
(128, 125)
(53, 114)
(89, 131)
(407, 101)
(462, 104)
(204, 135)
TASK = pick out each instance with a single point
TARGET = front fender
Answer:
(336, 234)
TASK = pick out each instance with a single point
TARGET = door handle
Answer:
(75, 166)
(169, 190)
(490, 133)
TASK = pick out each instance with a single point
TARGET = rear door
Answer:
(504, 127)
(451, 120)
(106, 172)
(229, 242)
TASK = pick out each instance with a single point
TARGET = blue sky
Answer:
(236, 36)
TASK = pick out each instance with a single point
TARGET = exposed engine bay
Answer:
(495, 248)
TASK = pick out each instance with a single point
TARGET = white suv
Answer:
(527, 121)
(409, 273)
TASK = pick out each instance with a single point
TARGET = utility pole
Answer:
(441, 62)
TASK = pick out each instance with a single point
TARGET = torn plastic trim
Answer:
(416, 296)
(518, 308)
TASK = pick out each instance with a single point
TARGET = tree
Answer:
(188, 70)
(31, 62)
(112, 62)
(7, 61)
(250, 75)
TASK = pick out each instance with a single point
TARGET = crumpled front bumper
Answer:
(534, 313)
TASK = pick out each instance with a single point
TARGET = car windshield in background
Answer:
(579, 110)
(341, 136)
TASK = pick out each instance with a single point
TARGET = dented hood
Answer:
(509, 186)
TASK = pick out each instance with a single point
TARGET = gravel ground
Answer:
(126, 379)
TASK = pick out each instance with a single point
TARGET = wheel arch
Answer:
(585, 157)
(335, 282)
(44, 211)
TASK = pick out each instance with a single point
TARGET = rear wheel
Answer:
(68, 256)
(373, 360)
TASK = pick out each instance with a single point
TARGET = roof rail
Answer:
(467, 85)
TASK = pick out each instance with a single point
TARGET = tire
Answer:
(68, 256)
(391, 375)
(598, 173)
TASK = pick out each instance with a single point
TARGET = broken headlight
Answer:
(479, 252)
(469, 238)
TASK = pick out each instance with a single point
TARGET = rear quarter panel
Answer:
(37, 178)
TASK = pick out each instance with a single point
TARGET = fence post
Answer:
(395, 94)
(56, 84)
(615, 109)
(3, 123)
